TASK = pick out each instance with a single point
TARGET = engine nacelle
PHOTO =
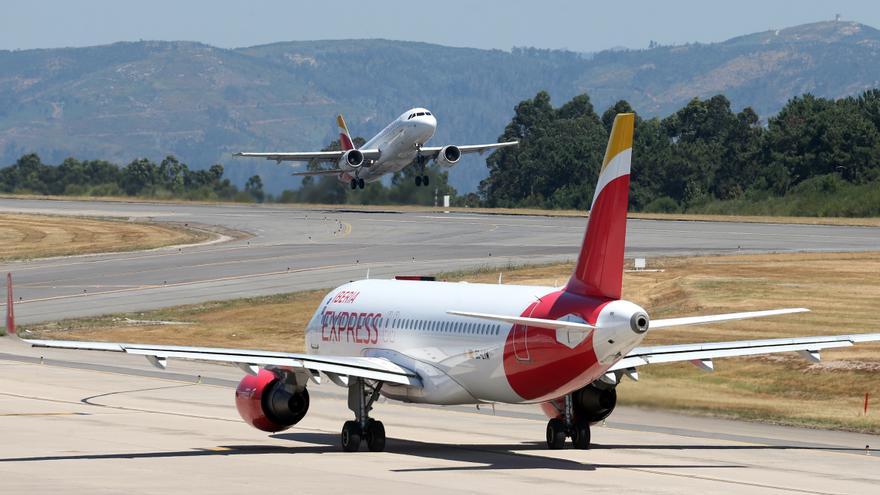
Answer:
(268, 403)
(351, 159)
(449, 155)
(592, 403)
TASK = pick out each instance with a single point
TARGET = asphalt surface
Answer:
(290, 249)
(96, 423)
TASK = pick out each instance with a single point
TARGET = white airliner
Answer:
(431, 342)
(398, 145)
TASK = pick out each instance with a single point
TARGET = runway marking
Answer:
(123, 408)
(45, 414)
(722, 480)
(180, 284)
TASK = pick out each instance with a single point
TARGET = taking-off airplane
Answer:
(398, 145)
(417, 340)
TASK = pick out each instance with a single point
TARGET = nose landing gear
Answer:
(357, 183)
(363, 428)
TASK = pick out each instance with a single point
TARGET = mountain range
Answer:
(202, 103)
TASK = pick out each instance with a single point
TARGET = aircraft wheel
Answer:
(418, 180)
(351, 436)
(580, 435)
(555, 434)
(375, 436)
(354, 184)
(425, 180)
(361, 183)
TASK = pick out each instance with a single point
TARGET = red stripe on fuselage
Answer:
(537, 366)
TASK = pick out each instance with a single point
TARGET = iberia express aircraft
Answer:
(460, 343)
(397, 146)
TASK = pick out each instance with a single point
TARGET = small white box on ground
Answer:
(446, 201)
(639, 263)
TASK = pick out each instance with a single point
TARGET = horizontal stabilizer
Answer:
(531, 322)
(641, 356)
(697, 320)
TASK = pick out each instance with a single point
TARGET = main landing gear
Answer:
(567, 425)
(357, 183)
(364, 428)
(421, 161)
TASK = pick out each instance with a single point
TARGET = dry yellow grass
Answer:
(843, 290)
(39, 236)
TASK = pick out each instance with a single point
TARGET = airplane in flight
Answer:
(416, 340)
(397, 146)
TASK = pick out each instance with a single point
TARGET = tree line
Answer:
(172, 179)
(142, 177)
(816, 157)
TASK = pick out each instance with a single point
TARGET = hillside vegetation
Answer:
(817, 157)
(200, 103)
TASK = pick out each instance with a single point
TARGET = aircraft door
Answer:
(521, 339)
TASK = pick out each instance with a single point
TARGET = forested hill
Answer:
(200, 103)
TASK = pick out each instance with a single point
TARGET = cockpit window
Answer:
(427, 113)
(420, 114)
(411, 116)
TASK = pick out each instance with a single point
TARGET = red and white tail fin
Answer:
(10, 314)
(344, 136)
(599, 270)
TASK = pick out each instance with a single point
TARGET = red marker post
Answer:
(10, 315)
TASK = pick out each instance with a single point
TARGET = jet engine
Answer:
(593, 403)
(269, 403)
(351, 159)
(449, 155)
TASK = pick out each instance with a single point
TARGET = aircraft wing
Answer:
(702, 354)
(304, 156)
(334, 171)
(371, 368)
(432, 151)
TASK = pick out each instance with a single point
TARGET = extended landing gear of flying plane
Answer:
(558, 429)
(421, 161)
(364, 428)
(357, 183)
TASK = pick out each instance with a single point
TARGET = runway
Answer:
(292, 249)
(95, 423)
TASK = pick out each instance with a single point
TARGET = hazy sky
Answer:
(574, 25)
